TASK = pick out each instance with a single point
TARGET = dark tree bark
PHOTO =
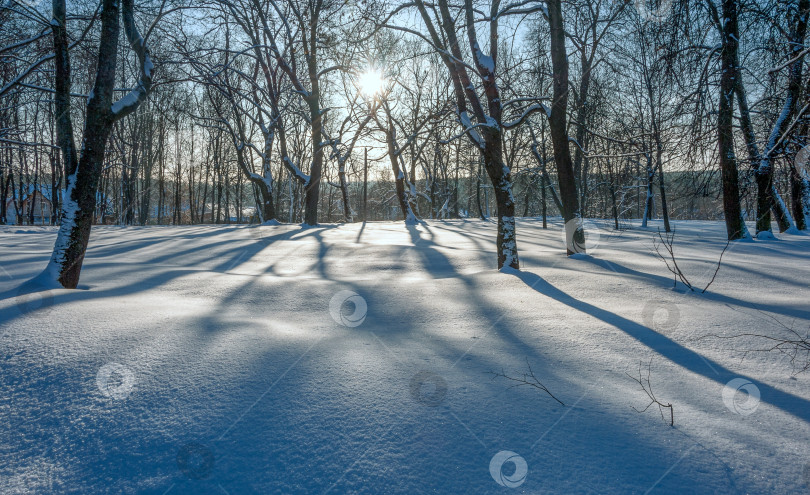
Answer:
(768, 198)
(312, 189)
(800, 174)
(4, 188)
(574, 233)
(400, 179)
(649, 202)
(799, 190)
(62, 82)
(478, 203)
(663, 192)
(83, 176)
(487, 134)
(735, 227)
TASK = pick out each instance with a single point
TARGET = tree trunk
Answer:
(400, 179)
(505, 201)
(800, 194)
(661, 185)
(478, 193)
(365, 184)
(344, 191)
(574, 233)
(313, 188)
(80, 201)
(649, 202)
(768, 198)
(735, 227)
(4, 187)
(82, 181)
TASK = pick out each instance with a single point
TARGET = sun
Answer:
(371, 82)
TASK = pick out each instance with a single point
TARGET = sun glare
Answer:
(371, 82)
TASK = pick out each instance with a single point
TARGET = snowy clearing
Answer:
(356, 358)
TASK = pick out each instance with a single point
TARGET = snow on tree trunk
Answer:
(486, 134)
(399, 174)
(344, 190)
(79, 202)
(768, 197)
(649, 202)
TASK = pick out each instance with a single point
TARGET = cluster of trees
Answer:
(334, 110)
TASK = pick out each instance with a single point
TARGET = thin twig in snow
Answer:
(528, 379)
(646, 386)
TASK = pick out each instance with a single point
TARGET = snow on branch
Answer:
(130, 102)
(524, 99)
(22, 75)
(791, 61)
(26, 41)
(788, 131)
(297, 173)
(526, 113)
(469, 128)
(523, 8)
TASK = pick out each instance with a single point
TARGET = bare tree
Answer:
(768, 197)
(487, 133)
(83, 171)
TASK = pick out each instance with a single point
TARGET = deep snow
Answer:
(219, 359)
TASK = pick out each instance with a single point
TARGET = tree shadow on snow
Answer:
(32, 299)
(709, 295)
(675, 352)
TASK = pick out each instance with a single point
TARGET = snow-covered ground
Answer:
(357, 359)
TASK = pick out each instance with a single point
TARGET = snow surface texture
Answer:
(354, 359)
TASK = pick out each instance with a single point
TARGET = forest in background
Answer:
(643, 101)
(257, 110)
